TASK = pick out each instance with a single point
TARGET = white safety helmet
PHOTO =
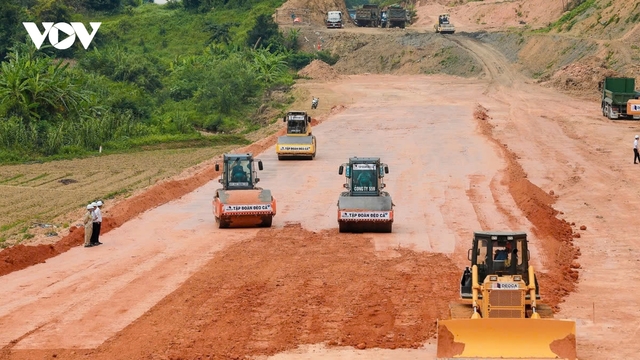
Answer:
(93, 204)
(637, 136)
(90, 206)
(99, 203)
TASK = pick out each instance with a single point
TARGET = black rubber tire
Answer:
(267, 222)
(222, 224)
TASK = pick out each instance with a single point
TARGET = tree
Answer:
(264, 33)
(219, 32)
(270, 67)
(104, 5)
(33, 87)
(11, 29)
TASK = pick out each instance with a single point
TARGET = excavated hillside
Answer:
(568, 50)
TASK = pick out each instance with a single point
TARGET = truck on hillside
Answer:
(368, 16)
(396, 16)
(620, 98)
(334, 20)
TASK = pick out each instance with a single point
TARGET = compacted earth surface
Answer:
(494, 151)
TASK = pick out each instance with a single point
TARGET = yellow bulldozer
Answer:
(240, 203)
(299, 142)
(499, 314)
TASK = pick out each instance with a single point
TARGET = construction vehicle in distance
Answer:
(240, 203)
(499, 315)
(620, 98)
(368, 16)
(444, 25)
(299, 142)
(396, 16)
(364, 207)
(334, 20)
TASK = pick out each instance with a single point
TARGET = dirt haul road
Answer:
(168, 284)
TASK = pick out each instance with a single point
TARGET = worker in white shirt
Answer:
(636, 157)
(88, 225)
(97, 222)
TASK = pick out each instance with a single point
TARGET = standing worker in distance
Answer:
(88, 225)
(636, 157)
(97, 222)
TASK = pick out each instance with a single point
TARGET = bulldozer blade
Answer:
(506, 339)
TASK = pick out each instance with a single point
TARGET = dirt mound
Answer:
(287, 287)
(555, 235)
(581, 78)
(319, 70)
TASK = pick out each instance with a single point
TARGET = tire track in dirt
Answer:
(555, 235)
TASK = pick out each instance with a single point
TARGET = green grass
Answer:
(11, 179)
(10, 226)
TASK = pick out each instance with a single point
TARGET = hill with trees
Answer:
(176, 72)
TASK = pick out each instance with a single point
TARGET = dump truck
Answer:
(444, 25)
(396, 16)
(364, 207)
(499, 314)
(368, 16)
(240, 203)
(334, 20)
(620, 98)
(299, 142)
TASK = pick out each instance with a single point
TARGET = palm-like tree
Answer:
(269, 66)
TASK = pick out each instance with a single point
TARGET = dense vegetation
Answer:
(152, 74)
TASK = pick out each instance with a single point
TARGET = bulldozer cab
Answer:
(298, 123)
(443, 19)
(238, 172)
(497, 253)
(364, 176)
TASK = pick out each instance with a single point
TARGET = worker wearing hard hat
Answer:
(88, 225)
(97, 222)
(636, 157)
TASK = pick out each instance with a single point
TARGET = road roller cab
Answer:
(240, 203)
(364, 207)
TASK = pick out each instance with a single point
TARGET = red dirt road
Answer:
(169, 285)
